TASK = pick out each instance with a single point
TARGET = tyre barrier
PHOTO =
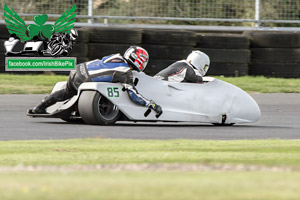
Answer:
(218, 69)
(167, 37)
(283, 70)
(2, 62)
(222, 41)
(2, 55)
(228, 69)
(82, 60)
(79, 50)
(273, 39)
(228, 55)
(4, 34)
(163, 52)
(115, 36)
(272, 53)
(155, 66)
(275, 55)
(98, 50)
(2, 48)
(83, 35)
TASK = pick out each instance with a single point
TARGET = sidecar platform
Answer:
(55, 114)
(58, 110)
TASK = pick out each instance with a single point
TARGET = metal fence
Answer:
(187, 12)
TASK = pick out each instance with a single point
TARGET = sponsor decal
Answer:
(82, 70)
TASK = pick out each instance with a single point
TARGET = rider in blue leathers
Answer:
(113, 68)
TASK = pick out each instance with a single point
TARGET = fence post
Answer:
(90, 11)
(257, 12)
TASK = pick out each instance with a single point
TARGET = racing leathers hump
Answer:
(113, 69)
(180, 71)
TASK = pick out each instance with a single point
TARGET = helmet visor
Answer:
(140, 58)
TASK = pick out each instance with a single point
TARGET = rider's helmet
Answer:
(199, 60)
(137, 57)
(73, 34)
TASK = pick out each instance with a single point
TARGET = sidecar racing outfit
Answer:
(114, 68)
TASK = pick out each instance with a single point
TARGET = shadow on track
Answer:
(174, 124)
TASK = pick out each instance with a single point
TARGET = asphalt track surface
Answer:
(280, 119)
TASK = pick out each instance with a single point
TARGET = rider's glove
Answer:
(155, 107)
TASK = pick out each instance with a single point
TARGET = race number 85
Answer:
(113, 92)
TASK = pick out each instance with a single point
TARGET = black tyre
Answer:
(155, 66)
(274, 39)
(115, 36)
(83, 36)
(96, 109)
(64, 73)
(4, 34)
(222, 41)
(228, 55)
(228, 69)
(2, 48)
(2, 62)
(165, 52)
(97, 51)
(284, 70)
(275, 55)
(79, 50)
(161, 37)
(82, 60)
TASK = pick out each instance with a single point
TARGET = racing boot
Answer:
(41, 107)
(60, 95)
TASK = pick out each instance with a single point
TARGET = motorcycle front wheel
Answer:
(96, 109)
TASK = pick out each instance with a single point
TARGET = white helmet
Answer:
(199, 60)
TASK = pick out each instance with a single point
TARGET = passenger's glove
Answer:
(157, 108)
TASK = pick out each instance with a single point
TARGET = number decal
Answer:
(116, 92)
(113, 92)
(110, 92)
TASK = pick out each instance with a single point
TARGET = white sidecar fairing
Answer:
(215, 101)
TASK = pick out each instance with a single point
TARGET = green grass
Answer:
(262, 84)
(41, 84)
(148, 186)
(73, 183)
(108, 151)
(28, 84)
